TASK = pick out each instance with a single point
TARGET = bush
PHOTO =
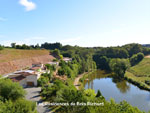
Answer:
(10, 90)
(51, 67)
(61, 71)
(19, 106)
(43, 81)
(147, 82)
(136, 58)
(1, 47)
(55, 60)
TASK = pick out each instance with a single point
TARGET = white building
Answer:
(28, 77)
(25, 78)
(53, 63)
(38, 65)
(67, 59)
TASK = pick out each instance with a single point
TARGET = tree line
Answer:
(119, 59)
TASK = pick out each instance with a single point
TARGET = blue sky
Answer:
(75, 22)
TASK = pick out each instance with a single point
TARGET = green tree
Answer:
(19, 106)
(89, 94)
(43, 81)
(61, 71)
(136, 58)
(119, 66)
(1, 47)
(13, 45)
(98, 93)
(56, 53)
(10, 90)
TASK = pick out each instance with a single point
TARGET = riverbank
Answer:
(138, 81)
(78, 82)
(118, 89)
(139, 74)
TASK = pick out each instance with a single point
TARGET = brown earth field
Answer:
(15, 59)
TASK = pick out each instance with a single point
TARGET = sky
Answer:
(86, 23)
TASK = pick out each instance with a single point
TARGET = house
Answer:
(25, 78)
(38, 69)
(67, 59)
(28, 77)
(53, 63)
(38, 65)
(20, 79)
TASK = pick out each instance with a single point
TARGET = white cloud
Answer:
(2, 19)
(28, 5)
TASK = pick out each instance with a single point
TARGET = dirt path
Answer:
(76, 81)
(64, 78)
(148, 56)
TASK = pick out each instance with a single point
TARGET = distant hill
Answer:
(15, 59)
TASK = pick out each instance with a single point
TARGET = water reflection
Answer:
(121, 84)
(96, 75)
(118, 89)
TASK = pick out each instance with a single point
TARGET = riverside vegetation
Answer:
(117, 60)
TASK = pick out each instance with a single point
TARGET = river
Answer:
(118, 89)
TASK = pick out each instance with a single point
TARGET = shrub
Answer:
(10, 90)
(61, 71)
(136, 58)
(98, 93)
(1, 47)
(42, 81)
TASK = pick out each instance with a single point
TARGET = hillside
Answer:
(140, 74)
(15, 59)
(142, 69)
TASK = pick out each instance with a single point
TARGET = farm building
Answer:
(67, 59)
(25, 78)
(53, 63)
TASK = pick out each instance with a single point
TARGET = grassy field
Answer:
(140, 74)
(141, 69)
(15, 54)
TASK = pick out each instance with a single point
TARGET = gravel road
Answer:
(33, 94)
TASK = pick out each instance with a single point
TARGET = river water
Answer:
(119, 90)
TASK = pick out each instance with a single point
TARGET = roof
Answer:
(67, 59)
(35, 68)
(17, 78)
(52, 62)
(25, 73)
(29, 71)
(20, 76)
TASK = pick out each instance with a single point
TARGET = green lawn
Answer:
(141, 69)
(140, 73)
